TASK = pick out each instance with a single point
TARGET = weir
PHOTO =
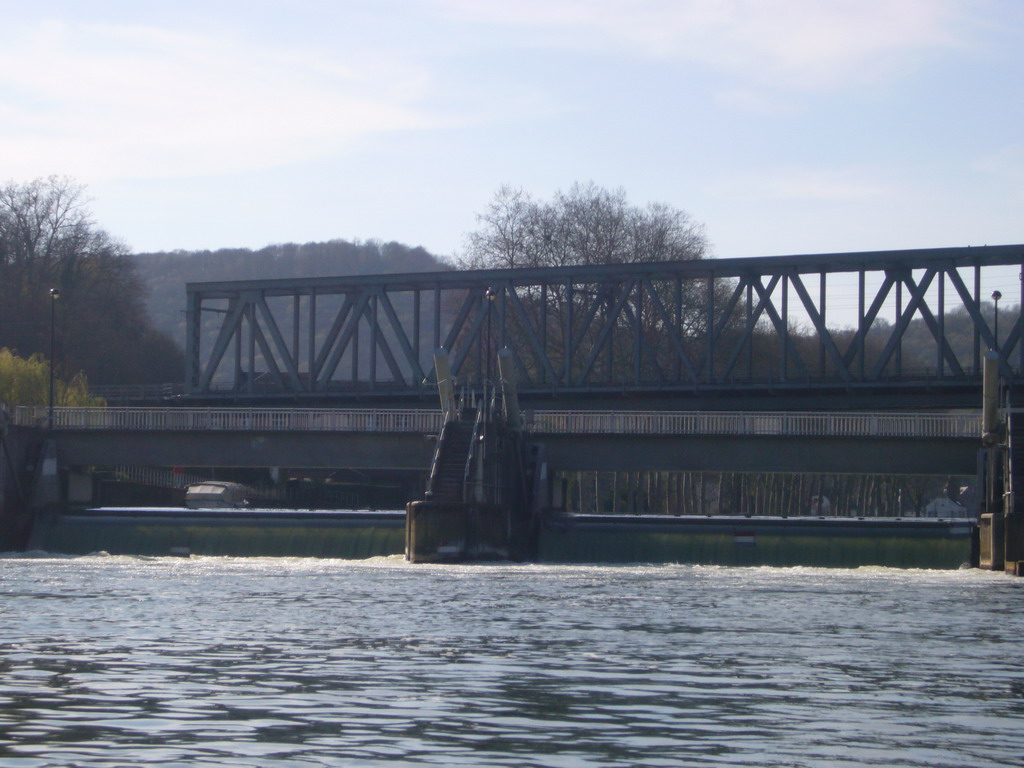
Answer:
(488, 495)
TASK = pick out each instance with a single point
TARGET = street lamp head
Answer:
(490, 294)
(54, 293)
(996, 295)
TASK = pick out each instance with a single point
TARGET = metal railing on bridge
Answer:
(963, 424)
(781, 423)
(233, 419)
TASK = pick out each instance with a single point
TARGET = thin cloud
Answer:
(798, 44)
(1006, 163)
(806, 185)
(103, 100)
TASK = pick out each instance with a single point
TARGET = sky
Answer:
(782, 126)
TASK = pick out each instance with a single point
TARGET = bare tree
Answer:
(48, 240)
(586, 225)
(591, 225)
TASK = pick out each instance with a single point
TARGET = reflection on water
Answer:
(212, 661)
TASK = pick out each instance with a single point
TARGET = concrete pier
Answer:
(455, 532)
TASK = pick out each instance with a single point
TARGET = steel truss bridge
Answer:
(715, 325)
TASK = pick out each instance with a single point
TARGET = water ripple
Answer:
(215, 661)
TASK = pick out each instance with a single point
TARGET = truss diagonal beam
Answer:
(819, 325)
(755, 315)
(933, 325)
(780, 326)
(285, 354)
(671, 324)
(896, 337)
(532, 340)
(228, 329)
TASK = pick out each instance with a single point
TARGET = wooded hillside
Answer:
(165, 274)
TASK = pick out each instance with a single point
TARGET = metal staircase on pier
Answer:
(477, 505)
(448, 474)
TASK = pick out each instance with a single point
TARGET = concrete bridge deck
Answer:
(903, 443)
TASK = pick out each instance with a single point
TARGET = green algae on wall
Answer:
(72, 534)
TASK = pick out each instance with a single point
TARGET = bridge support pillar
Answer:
(29, 483)
(480, 500)
(991, 541)
(1013, 543)
(456, 532)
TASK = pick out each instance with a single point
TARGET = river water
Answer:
(118, 661)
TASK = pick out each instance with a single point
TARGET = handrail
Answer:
(781, 423)
(963, 424)
(234, 419)
(442, 437)
(474, 443)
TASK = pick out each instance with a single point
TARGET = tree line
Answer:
(27, 382)
(165, 273)
(65, 280)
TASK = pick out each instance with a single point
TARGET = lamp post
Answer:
(54, 295)
(996, 296)
(490, 295)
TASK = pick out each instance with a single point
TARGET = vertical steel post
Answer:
(374, 330)
(354, 368)
(250, 313)
(996, 296)
(977, 330)
(861, 330)
(610, 354)
(896, 327)
(416, 327)
(544, 330)
(822, 296)
(193, 335)
(940, 363)
(567, 362)
(709, 330)
(638, 338)
(238, 351)
(785, 327)
(678, 330)
(296, 318)
(314, 372)
(749, 330)
(437, 316)
(54, 295)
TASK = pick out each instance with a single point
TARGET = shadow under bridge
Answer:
(894, 443)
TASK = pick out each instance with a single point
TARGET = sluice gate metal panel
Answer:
(707, 325)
